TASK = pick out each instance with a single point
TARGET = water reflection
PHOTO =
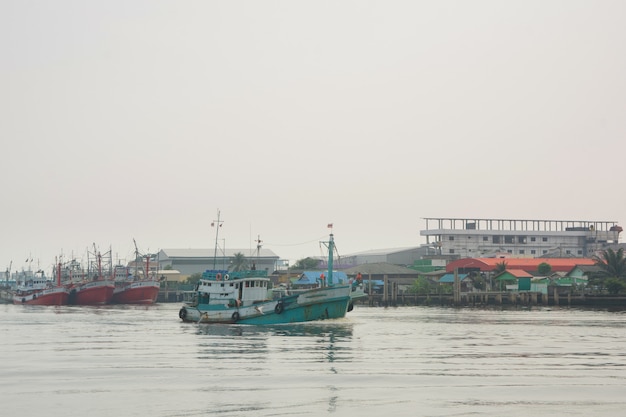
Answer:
(300, 341)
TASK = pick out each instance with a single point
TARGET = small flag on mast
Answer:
(330, 225)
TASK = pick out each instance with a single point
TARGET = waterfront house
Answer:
(464, 279)
(514, 279)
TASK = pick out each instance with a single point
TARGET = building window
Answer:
(509, 239)
(521, 239)
(545, 251)
(485, 238)
(521, 252)
(532, 251)
(496, 239)
(509, 251)
(544, 239)
(532, 239)
(580, 252)
(451, 250)
(450, 237)
(568, 252)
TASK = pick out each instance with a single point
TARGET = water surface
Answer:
(413, 361)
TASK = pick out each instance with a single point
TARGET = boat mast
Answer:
(331, 249)
(136, 277)
(59, 273)
(8, 273)
(217, 224)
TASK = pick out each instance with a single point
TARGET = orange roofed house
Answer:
(529, 265)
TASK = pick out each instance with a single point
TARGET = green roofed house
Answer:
(514, 279)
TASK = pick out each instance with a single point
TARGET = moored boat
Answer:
(97, 290)
(36, 289)
(136, 292)
(246, 297)
(138, 288)
(52, 296)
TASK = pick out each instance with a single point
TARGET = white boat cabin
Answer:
(240, 289)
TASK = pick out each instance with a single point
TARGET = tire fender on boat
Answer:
(182, 313)
(350, 306)
(279, 307)
(235, 316)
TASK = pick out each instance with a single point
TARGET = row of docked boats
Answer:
(41, 291)
(98, 284)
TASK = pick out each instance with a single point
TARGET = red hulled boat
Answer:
(131, 289)
(35, 289)
(95, 291)
(99, 291)
(136, 292)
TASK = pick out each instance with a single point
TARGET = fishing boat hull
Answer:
(317, 304)
(92, 293)
(56, 296)
(137, 292)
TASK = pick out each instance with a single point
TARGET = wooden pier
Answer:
(491, 298)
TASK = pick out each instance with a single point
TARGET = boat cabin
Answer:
(241, 288)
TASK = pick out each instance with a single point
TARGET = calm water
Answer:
(410, 361)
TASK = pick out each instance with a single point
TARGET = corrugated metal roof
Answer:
(208, 253)
(449, 278)
(383, 251)
(526, 264)
(519, 273)
(378, 268)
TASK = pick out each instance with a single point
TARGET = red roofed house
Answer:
(467, 265)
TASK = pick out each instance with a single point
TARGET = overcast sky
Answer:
(141, 119)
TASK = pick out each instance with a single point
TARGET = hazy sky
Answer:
(140, 119)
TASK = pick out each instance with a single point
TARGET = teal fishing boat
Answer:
(247, 297)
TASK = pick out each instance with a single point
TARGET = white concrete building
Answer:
(473, 238)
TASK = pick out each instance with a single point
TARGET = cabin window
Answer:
(247, 284)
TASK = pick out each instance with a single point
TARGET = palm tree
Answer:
(613, 264)
(239, 262)
(500, 268)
